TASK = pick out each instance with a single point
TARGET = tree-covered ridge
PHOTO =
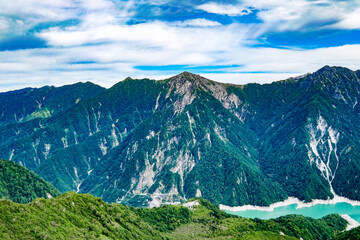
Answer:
(82, 216)
(21, 185)
(353, 234)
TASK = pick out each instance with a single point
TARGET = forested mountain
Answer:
(21, 185)
(82, 216)
(146, 142)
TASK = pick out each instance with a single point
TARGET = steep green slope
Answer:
(21, 185)
(306, 133)
(95, 127)
(282, 128)
(189, 148)
(353, 234)
(82, 216)
(88, 129)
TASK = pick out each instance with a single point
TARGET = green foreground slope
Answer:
(21, 185)
(71, 216)
(82, 216)
(352, 234)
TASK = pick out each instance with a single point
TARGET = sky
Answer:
(61, 42)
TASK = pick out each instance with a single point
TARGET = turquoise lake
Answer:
(316, 211)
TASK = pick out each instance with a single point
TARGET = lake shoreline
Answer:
(290, 201)
(352, 223)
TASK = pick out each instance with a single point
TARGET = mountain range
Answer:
(144, 142)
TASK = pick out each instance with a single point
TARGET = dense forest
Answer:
(21, 185)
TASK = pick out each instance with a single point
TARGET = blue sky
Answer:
(239, 41)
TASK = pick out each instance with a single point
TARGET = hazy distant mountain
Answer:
(143, 142)
(30, 103)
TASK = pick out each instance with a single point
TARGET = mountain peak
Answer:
(194, 79)
(188, 75)
(328, 75)
(325, 68)
(329, 70)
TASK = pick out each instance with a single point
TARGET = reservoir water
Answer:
(316, 211)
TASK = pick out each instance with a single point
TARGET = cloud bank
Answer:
(59, 42)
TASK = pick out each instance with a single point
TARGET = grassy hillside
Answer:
(21, 185)
(82, 216)
(71, 216)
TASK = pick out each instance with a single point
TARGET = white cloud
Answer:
(156, 36)
(4, 25)
(116, 48)
(97, 5)
(225, 9)
(304, 15)
(199, 22)
(29, 13)
(349, 20)
(113, 62)
(22, 15)
(294, 15)
(245, 78)
(42, 10)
